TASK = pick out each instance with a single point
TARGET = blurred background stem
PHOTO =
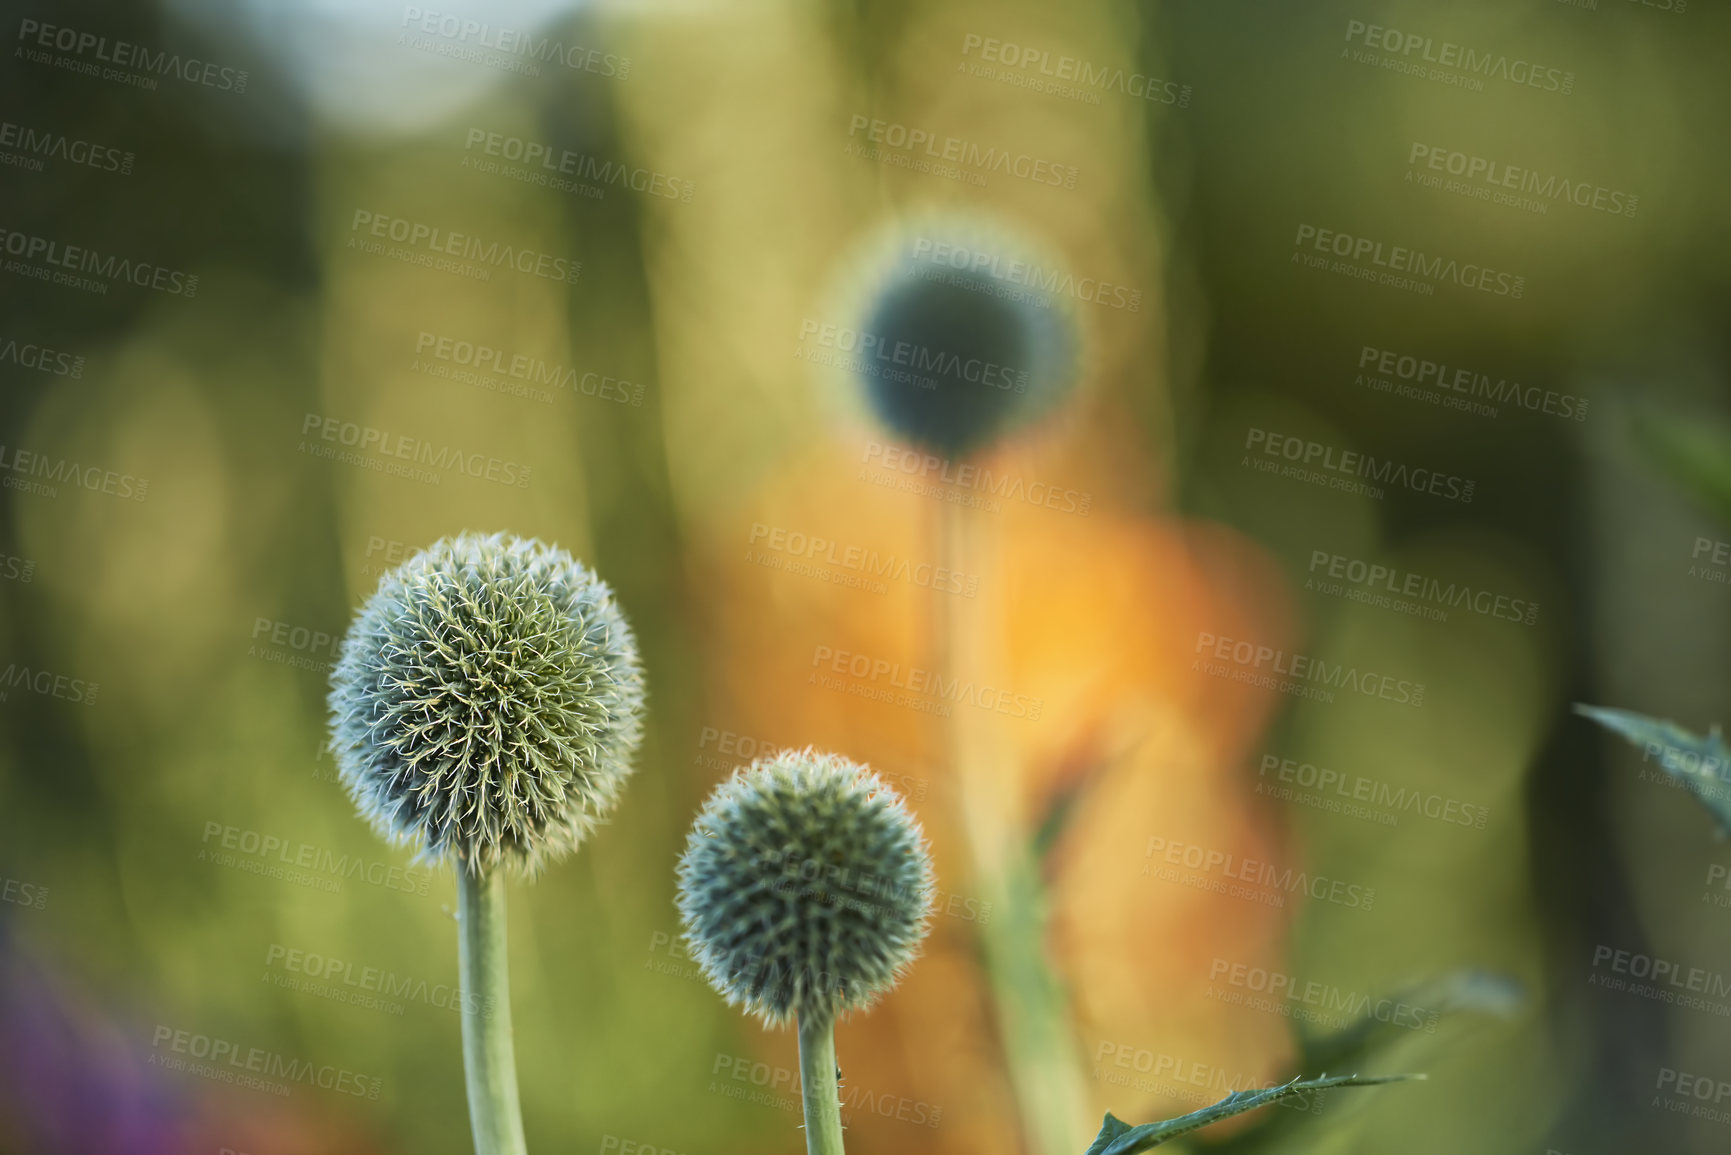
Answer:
(1027, 996)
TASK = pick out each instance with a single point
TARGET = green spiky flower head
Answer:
(805, 888)
(487, 702)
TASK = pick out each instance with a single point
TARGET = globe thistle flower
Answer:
(805, 890)
(487, 702)
(485, 706)
(805, 887)
(958, 345)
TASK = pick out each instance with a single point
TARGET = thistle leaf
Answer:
(1111, 1130)
(1702, 765)
(1118, 1138)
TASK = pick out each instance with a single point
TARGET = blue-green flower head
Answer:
(963, 338)
(805, 888)
(487, 703)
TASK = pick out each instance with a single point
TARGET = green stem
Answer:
(1033, 1009)
(1031, 1005)
(489, 1068)
(817, 1086)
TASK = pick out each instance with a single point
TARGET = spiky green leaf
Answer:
(1702, 765)
(1118, 1138)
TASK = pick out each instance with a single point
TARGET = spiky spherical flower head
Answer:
(805, 888)
(487, 702)
(964, 350)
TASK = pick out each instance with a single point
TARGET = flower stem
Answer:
(817, 1086)
(1031, 1004)
(489, 1067)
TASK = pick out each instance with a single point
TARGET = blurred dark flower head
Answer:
(964, 338)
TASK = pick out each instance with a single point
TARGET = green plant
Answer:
(485, 708)
(1370, 1039)
(1120, 1138)
(1701, 765)
(805, 891)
